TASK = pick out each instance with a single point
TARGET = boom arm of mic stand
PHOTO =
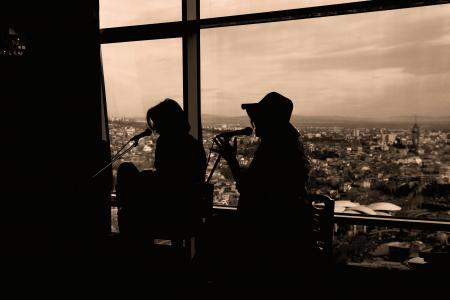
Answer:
(135, 143)
(214, 168)
(116, 157)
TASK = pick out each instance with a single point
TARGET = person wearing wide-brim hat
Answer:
(279, 159)
(272, 188)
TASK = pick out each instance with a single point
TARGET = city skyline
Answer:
(410, 119)
(361, 164)
(386, 63)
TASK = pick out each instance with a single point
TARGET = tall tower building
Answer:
(415, 135)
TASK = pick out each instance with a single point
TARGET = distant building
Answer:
(403, 152)
(415, 136)
(366, 184)
(387, 139)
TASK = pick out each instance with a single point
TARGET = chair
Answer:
(322, 208)
(178, 217)
(187, 223)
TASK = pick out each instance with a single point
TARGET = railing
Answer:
(392, 222)
(341, 218)
(395, 222)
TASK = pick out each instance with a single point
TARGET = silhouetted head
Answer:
(271, 115)
(168, 117)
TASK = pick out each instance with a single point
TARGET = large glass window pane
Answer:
(115, 13)
(371, 99)
(221, 8)
(139, 75)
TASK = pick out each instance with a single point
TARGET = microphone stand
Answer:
(214, 168)
(215, 164)
(117, 156)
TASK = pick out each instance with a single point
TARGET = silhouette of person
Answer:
(150, 200)
(273, 218)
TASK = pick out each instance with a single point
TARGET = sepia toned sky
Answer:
(391, 63)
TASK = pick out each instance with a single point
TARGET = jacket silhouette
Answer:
(274, 219)
(163, 198)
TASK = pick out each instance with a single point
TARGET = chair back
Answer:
(190, 207)
(322, 208)
(203, 199)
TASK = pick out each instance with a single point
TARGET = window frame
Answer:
(189, 30)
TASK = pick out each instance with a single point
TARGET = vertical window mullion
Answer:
(191, 66)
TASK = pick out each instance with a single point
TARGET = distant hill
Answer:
(298, 120)
(420, 119)
(367, 122)
(441, 123)
(215, 119)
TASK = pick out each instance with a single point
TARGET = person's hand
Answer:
(228, 152)
(225, 149)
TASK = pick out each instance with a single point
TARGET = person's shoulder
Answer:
(193, 140)
(187, 141)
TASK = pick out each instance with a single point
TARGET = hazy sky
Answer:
(375, 64)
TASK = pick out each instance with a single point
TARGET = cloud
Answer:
(389, 63)
(358, 64)
(415, 59)
(215, 8)
(114, 13)
(140, 74)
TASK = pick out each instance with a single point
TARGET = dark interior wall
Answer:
(52, 130)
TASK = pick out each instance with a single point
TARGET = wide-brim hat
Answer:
(274, 107)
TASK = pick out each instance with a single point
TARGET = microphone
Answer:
(146, 132)
(230, 134)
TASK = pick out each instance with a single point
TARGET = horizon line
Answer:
(413, 117)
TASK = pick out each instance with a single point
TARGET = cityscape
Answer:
(402, 163)
(356, 91)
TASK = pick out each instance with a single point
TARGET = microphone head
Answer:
(247, 131)
(147, 132)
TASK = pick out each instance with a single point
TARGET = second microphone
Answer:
(230, 134)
